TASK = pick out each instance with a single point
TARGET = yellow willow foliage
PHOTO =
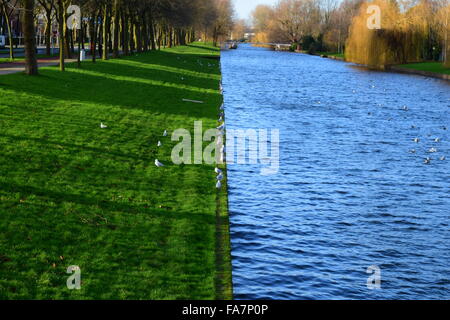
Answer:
(261, 37)
(399, 40)
(443, 22)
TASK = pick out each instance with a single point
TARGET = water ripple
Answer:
(350, 193)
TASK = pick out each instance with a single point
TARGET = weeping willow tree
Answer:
(443, 27)
(402, 36)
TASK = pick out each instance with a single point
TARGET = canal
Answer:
(352, 190)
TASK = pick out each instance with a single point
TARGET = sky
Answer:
(245, 7)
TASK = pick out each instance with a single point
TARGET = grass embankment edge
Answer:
(134, 217)
(224, 283)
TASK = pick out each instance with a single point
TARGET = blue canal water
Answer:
(349, 193)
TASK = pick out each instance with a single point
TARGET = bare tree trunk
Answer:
(31, 66)
(125, 35)
(48, 32)
(138, 32)
(93, 31)
(10, 36)
(116, 29)
(144, 33)
(105, 54)
(61, 23)
(152, 34)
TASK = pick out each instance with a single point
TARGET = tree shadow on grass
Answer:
(184, 61)
(204, 48)
(106, 205)
(98, 90)
(157, 87)
(125, 246)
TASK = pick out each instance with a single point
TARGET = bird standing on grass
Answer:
(158, 164)
(218, 185)
(103, 126)
(159, 144)
(165, 133)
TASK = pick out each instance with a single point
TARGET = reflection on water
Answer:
(353, 189)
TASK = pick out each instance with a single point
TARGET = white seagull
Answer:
(218, 185)
(220, 177)
(221, 127)
(432, 150)
(165, 133)
(103, 126)
(158, 164)
(416, 140)
(218, 171)
(159, 144)
(222, 107)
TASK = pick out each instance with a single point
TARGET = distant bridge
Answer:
(276, 46)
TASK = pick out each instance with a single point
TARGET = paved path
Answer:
(19, 66)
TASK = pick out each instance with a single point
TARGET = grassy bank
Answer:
(332, 54)
(72, 193)
(435, 67)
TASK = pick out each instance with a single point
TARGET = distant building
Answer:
(249, 36)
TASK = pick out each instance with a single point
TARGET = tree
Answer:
(8, 9)
(48, 6)
(224, 22)
(31, 66)
(240, 27)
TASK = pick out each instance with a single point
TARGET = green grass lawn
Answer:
(427, 66)
(72, 193)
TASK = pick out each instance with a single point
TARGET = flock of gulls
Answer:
(219, 141)
(221, 128)
(431, 149)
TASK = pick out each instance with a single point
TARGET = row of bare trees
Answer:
(411, 30)
(115, 27)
